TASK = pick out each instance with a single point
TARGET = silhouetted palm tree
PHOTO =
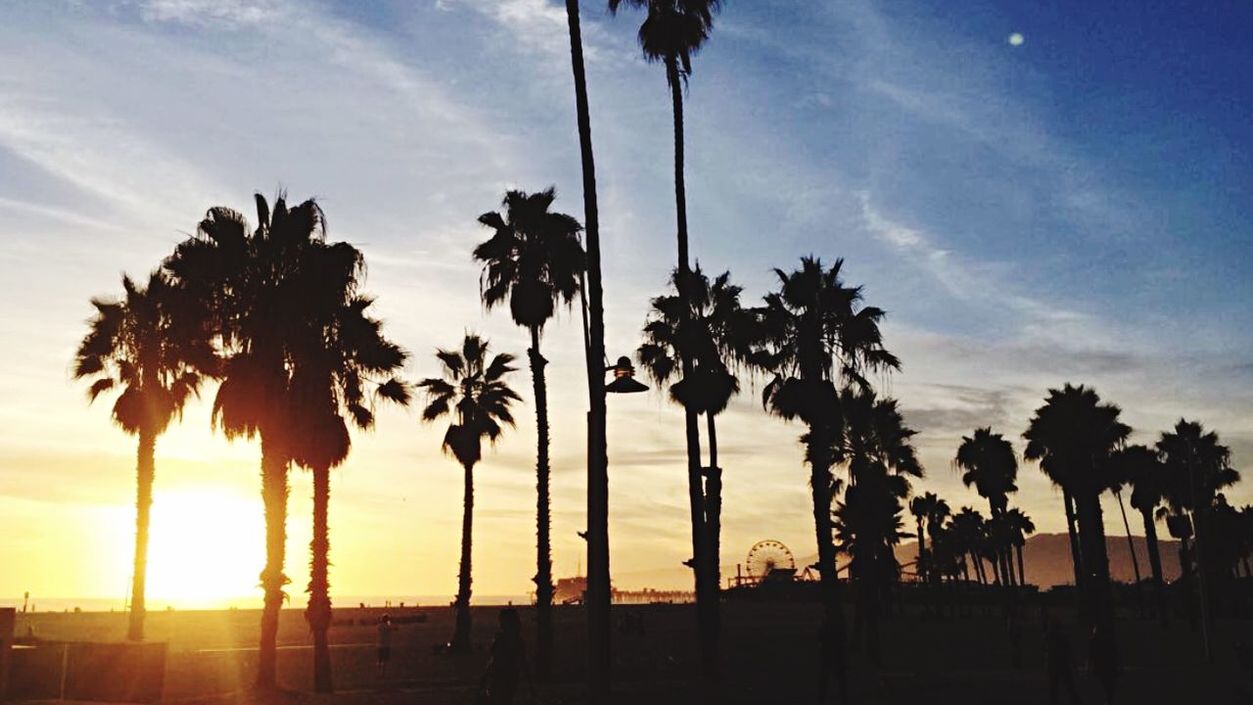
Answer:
(475, 394)
(151, 346)
(1142, 468)
(815, 335)
(967, 528)
(673, 31)
(343, 365)
(1073, 435)
(918, 509)
(597, 597)
(991, 466)
(719, 339)
(535, 261)
(1020, 527)
(1196, 467)
(258, 313)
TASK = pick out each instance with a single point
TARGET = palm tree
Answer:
(257, 312)
(1020, 527)
(938, 513)
(918, 509)
(815, 333)
(719, 340)
(1073, 435)
(875, 446)
(1141, 467)
(1197, 467)
(474, 393)
(343, 356)
(150, 346)
(968, 530)
(991, 466)
(598, 593)
(672, 31)
(535, 261)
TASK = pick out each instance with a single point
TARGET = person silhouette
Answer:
(832, 660)
(385, 629)
(1061, 667)
(507, 666)
(1103, 661)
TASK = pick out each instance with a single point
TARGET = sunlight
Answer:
(207, 548)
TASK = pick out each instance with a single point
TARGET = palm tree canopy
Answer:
(1195, 464)
(533, 258)
(261, 287)
(1072, 436)
(474, 392)
(990, 465)
(718, 340)
(152, 344)
(813, 333)
(673, 30)
(874, 434)
(1019, 525)
(1140, 466)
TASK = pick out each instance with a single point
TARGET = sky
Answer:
(1037, 193)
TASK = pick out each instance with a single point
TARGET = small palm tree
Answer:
(814, 334)
(968, 530)
(535, 261)
(991, 466)
(150, 345)
(474, 393)
(1141, 467)
(1020, 527)
(718, 338)
(929, 512)
(345, 365)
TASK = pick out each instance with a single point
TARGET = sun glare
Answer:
(206, 549)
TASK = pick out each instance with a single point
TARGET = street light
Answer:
(624, 381)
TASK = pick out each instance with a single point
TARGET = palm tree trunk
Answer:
(543, 520)
(1155, 563)
(1131, 547)
(1076, 552)
(920, 568)
(1022, 574)
(820, 489)
(274, 491)
(1095, 561)
(597, 597)
(461, 633)
(318, 613)
(713, 502)
(706, 593)
(1186, 577)
(145, 474)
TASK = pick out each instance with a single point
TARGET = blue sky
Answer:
(1075, 208)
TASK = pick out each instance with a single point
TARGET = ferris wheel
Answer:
(766, 557)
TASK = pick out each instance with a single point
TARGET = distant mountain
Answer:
(1046, 558)
(1046, 561)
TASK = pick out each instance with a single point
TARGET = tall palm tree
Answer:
(343, 357)
(918, 509)
(1020, 527)
(1141, 467)
(535, 261)
(815, 334)
(1073, 435)
(150, 345)
(930, 513)
(938, 512)
(719, 340)
(257, 311)
(672, 32)
(474, 393)
(991, 466)
(598, 593)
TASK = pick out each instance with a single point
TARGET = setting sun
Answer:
(207, 549)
